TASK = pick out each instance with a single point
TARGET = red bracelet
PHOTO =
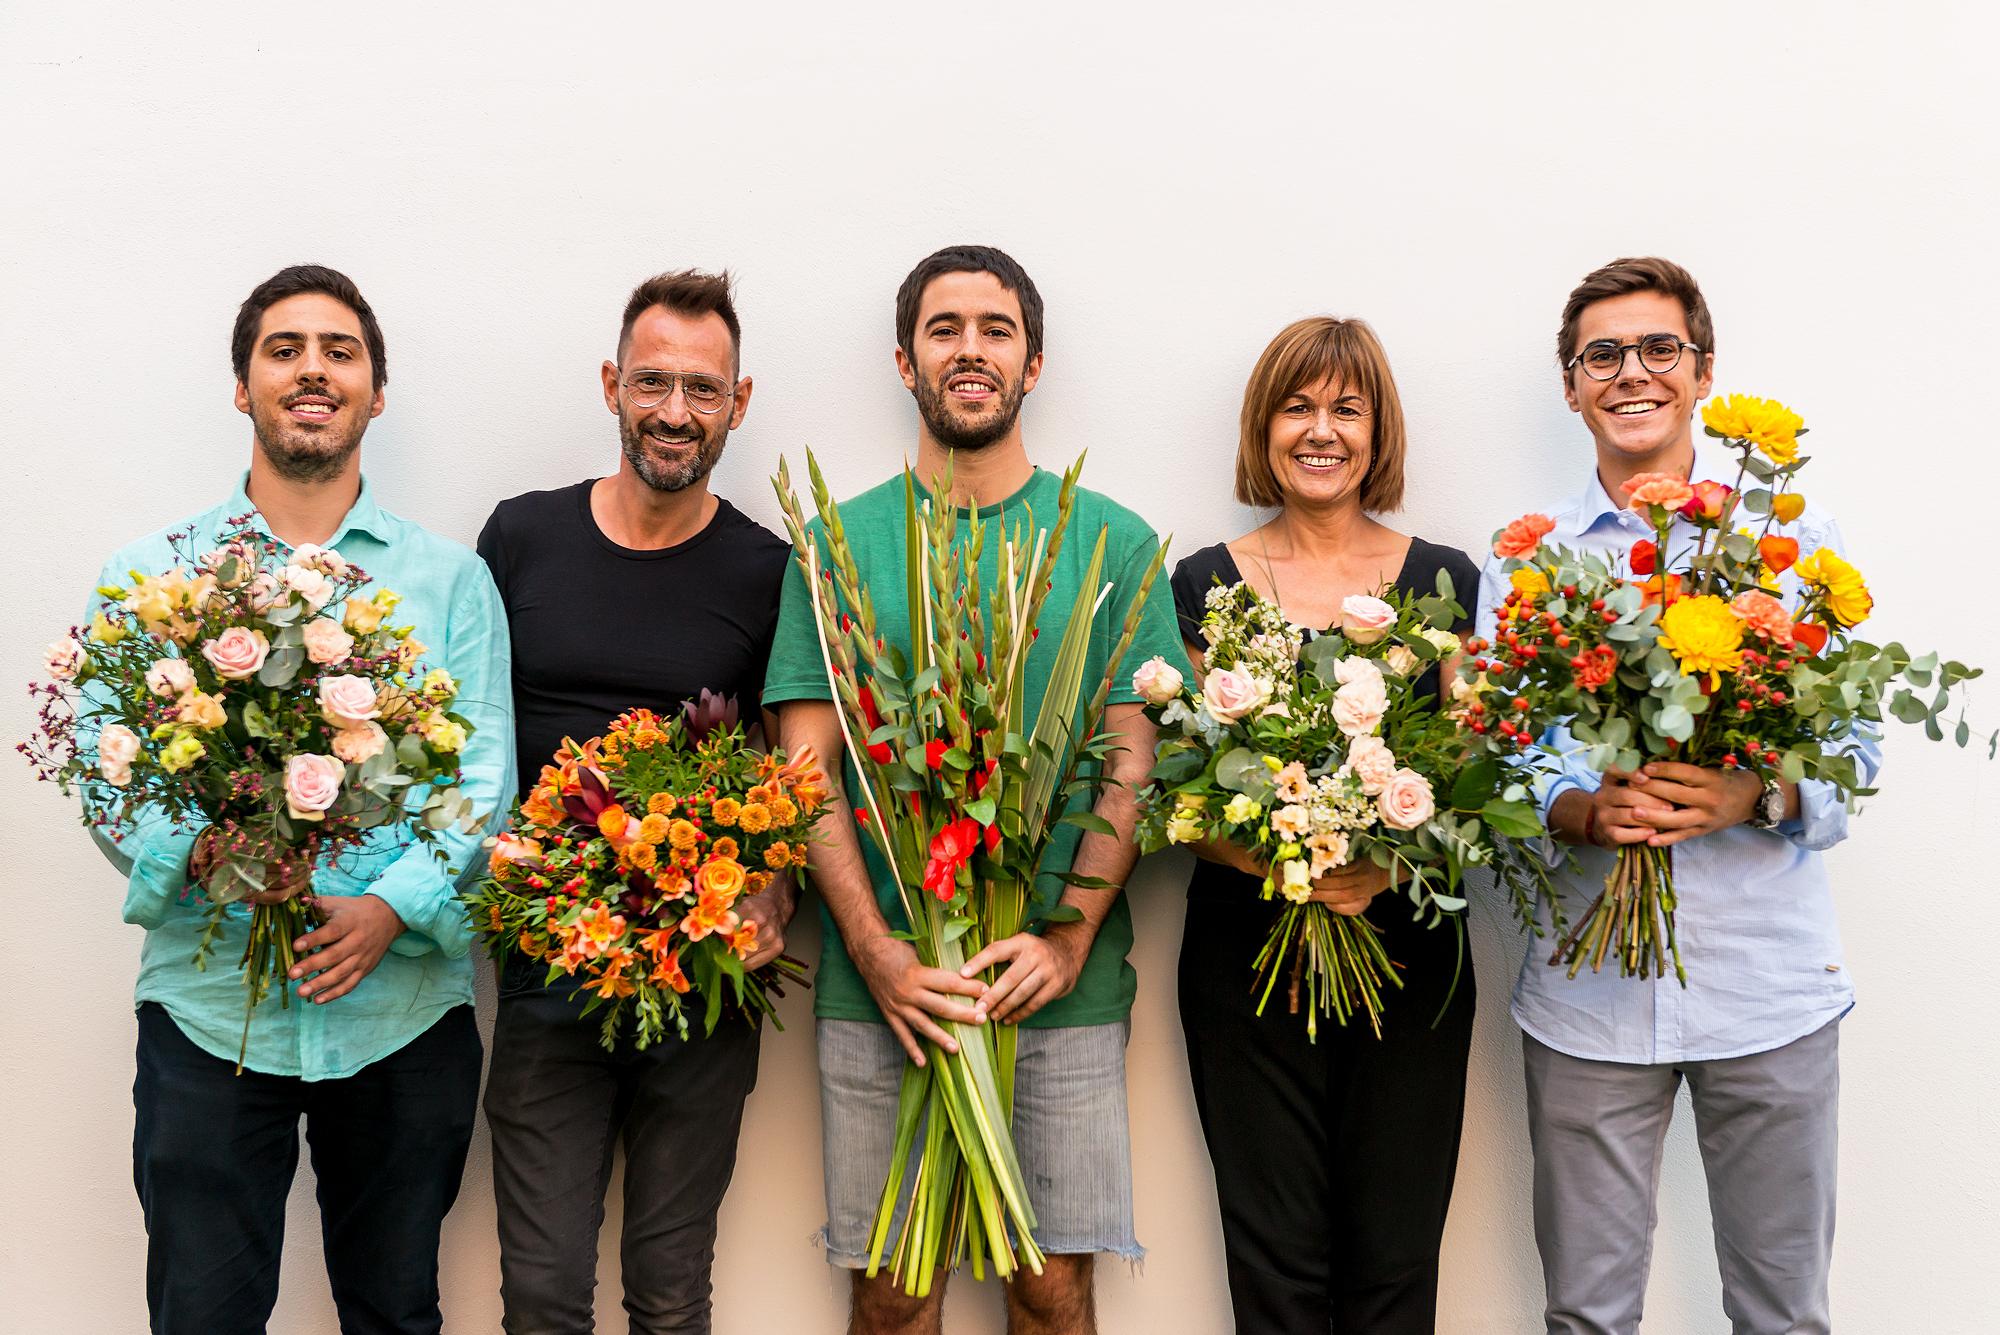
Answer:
(1590, 824)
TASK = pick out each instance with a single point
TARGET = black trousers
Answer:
(214, 1154)
(1333, 1162)
(558, 1103)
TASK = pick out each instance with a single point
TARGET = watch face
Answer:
(1772, 807)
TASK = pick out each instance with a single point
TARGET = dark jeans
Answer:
(557, 1103)
(214, 1153)
(1333, 1162)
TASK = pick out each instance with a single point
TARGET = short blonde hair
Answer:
(1305, 353)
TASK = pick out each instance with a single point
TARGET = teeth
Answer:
(1321, 460)
(1629, 409)
(316, 408)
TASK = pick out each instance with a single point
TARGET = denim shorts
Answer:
(1069, 1131)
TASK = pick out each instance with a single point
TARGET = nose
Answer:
(312, 364)
(674, 408)
(1631, 370)
(1322, 424)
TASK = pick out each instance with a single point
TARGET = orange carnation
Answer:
(653, 829)
(1765, 615)
(642, 855)
(1520, 538)
(759, 793)
(725, 847)
(783, 812)
(1658, 489)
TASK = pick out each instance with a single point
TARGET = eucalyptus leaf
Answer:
(281, 667)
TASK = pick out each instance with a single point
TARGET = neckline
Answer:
(603, 539)
(1017, 496)
(1402, 577)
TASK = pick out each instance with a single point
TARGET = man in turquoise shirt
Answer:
(378, 1051)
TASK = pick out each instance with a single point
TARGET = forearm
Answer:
(836, 866)
(1109, 857)
(1569, 817)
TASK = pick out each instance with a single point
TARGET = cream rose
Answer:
(358, 743)
(311, 785)
(326, 643)
(1371, 762)
(1358, 706)
(1402, 660)
(1157, 681)
(64, 658)
(169, 676)
(1365, 620)
(1444, 641)
(237, 653)
(346, 700)
(117, 747)
(1230, 694)
(198, 709)
(1406, 802)
(309, 583)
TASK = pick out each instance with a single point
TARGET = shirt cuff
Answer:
(159, 875)
(1822, 818)
(425, 899)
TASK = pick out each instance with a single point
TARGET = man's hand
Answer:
(283, 879)
(1040, 969)
(772, 911)
(1618, 813)
(1699, 801)
(1350, 889)
(357, 934)
(912, 996)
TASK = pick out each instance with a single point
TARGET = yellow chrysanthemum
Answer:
(1847, 596)
(1704, 634)
(1765, 423)
(1529, 582)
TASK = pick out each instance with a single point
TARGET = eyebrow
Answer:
(284, 335)
(998, 317)
(1351, 394)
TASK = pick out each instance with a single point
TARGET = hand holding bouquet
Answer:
(629, 865)
(1319, 755)
(1735, 653)
(222, 693)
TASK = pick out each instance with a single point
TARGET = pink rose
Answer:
(1365, 620)
(64, 658)
(237, 653)
(346, 700)
(1659, 489)
(358, 743)
(263, 591)
(1520, 538)
(1358, 706)
(169, 676)
(1157, 681)
(1372, 763)
(1230, 694)
(326, 643)
(311, 784)
(1406, 802)
(117, 747)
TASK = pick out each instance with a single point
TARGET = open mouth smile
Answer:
(1635, 407)
(314, 408)
(1321, 463)
(971, 388)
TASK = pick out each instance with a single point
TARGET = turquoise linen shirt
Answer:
(1756, 923)
(449, 598)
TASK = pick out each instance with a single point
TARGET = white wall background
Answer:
(1181, 180)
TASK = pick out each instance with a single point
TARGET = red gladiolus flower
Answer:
(992, 838)
(1644, 554)
(951, 848)
(934, 752)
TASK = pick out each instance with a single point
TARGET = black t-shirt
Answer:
(599, 629)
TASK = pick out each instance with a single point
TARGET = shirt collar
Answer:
(364, 516)
(1712, 463)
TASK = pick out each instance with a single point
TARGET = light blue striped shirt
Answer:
(1756, 922)
(448, 596)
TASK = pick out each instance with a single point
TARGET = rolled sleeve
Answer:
(420, 885)
(1157, 634)
(153, 856)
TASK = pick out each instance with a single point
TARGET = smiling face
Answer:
(970, 368)
(1641, 417)
(670, 446)
(1320, 444)
(309, 388)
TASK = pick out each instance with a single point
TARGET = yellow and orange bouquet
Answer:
(627, 865)
(1737, 653)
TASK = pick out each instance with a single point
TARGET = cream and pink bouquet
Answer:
(1317, 754)
(256, 695)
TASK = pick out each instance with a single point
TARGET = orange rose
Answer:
(1779, 554)
(1658, 489)
(612, 823)
(721, 877)
(1520, 538)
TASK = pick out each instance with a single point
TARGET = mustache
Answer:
(679, 435)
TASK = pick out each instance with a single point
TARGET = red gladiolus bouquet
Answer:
(1735, 653)
(962, 782)
(627, 862)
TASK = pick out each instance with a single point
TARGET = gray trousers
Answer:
(1767, 1125)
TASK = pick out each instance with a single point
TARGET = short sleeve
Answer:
(1196, 574)
(1156, 635)
(797, 670)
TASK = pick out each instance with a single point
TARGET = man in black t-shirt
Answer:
(636, 590)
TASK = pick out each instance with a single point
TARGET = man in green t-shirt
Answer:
(969, 348)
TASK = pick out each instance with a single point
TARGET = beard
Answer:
(302, 453)
(672, 474)
(954, 432)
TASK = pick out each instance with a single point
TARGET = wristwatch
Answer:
(1770, 807)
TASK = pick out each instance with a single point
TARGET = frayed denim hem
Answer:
(1131, 1253)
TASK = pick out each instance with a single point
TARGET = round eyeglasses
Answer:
(1605, 358)
(650, 389)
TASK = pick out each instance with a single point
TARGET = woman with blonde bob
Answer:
(1333, 1161)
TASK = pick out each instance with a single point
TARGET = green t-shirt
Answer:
(874, 524)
